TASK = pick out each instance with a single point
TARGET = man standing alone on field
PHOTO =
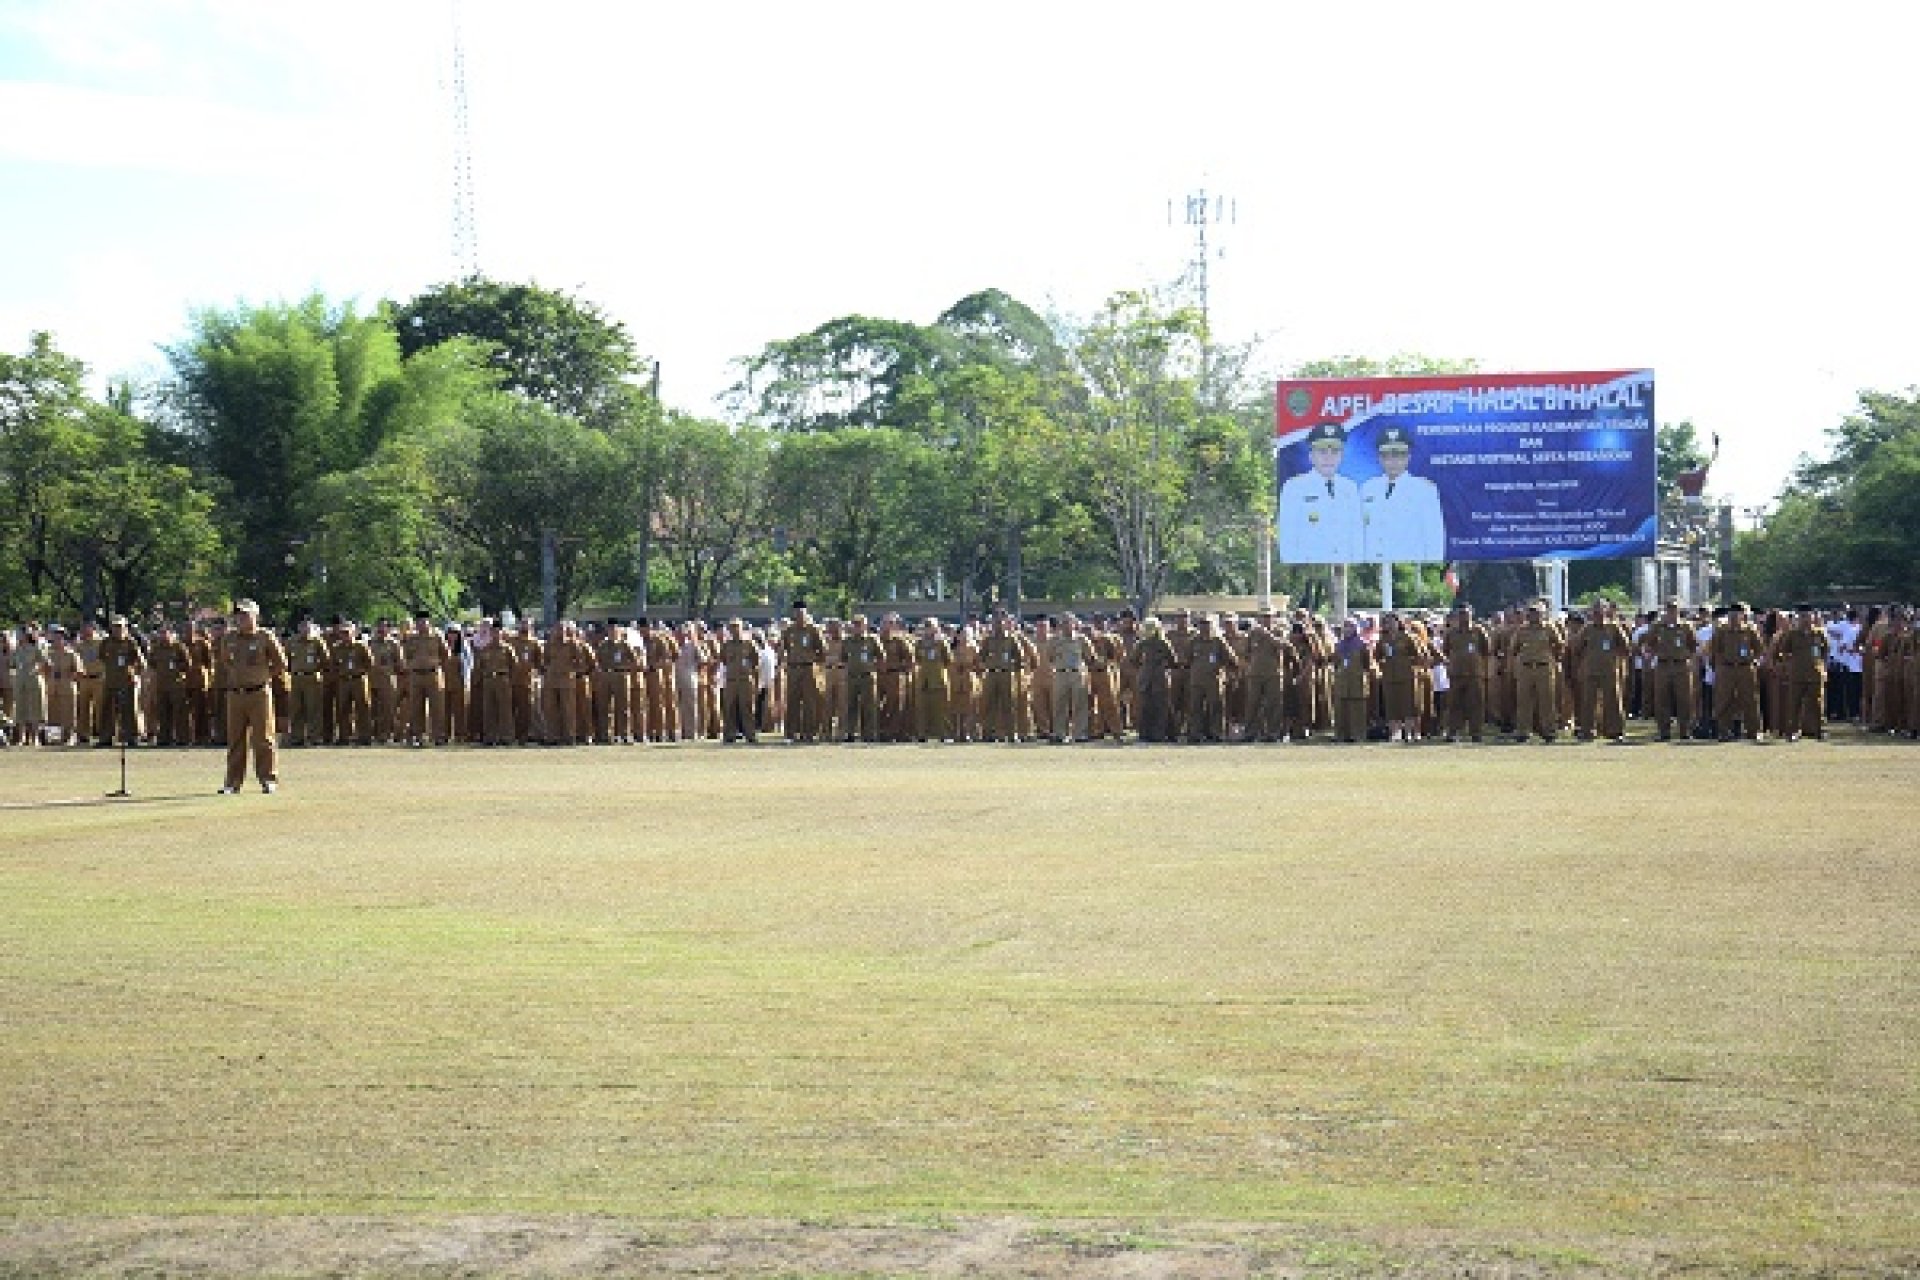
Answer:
(248, 663)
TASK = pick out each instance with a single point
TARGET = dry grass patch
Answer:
(1596, 1003)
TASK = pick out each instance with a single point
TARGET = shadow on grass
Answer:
(88, 802)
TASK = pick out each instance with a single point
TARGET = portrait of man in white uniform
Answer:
(1320, 508)
(1403, 523)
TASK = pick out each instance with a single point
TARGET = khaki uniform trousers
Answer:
(1103, 700)
(806, 704)
(1070, 707)
(1536, 700)
(556, 709)
(1602, 708)
(87, 720)
(1806, 708)
(304, 719)
(1350, 718)
(737, 709)
(998, 721)
(1206, 719)
(932, 705)
(250, 729)
(426, 705)
(1673, 695)
(863, 707)
(1736, 696)
(354, 715)
(116, 712)
(173, 714)
(1467, 703)
(496, 709)
(833, 725)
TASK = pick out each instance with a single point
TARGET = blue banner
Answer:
(1466, 467)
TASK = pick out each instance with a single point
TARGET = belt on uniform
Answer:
(836, 666)
(498, 675)
(249, 688)
(84, 676)
(1675, 662)
(1536, 664)
(1067, 671)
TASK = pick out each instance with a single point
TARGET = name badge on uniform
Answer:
(1606, 645)
(1470, 647)
(1743, 651)
(123, 659)
(1346, 662)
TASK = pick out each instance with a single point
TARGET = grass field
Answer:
(1218, 1011)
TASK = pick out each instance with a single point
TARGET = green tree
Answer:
(1849, 522)
(130, 531)
(714, 502)
(382, 537)
(515, 472)
(43, 409)
(852, 501)
(849, 372)
(91, 514)
(271, 399)
(1162, 474)
(1677, 448)
(547, 345)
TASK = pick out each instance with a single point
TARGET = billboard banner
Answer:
(1511, 466)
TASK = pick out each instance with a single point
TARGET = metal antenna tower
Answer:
(466, 248)
(1203, 211)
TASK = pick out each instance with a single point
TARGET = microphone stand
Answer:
(121, 716)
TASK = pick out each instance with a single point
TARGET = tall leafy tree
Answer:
(853, 502)
(554, 348)
(713, 503)
(1162, 473)
(515, 473)
(271, 399)
(133, 532)
(849, 372)
(1847, 522)
(91, 513)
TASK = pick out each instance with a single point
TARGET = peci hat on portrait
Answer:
(1395, 439)
(1326, 433)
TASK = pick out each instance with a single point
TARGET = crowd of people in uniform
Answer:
(1191, 677)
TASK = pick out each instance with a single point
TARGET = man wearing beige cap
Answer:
(247, 663)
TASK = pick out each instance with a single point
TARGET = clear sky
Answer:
(1721, 191)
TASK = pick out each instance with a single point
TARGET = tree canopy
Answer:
(439, 453)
